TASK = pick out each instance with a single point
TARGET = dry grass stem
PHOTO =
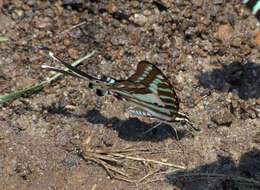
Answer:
(148, 175)
(94, 187)
(108, 167)
(112, 158)
(71, 28)
(149, 160)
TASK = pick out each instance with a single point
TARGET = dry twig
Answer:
(112, 158)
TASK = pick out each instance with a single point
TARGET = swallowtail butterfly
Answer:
(147, 90)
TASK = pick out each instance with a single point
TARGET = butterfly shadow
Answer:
(223, 174)
(242, 79)
(131, 129)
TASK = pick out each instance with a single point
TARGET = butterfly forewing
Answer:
(150, 90)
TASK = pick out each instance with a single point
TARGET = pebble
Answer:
(2, 133)
(22, 123)
(73, 52)
(119, 40)
(23, 83)
(66, 41)
(17, 14)
(134, 38)
(112, 8)
(206, 45)
(197, 3)
(257, 39)
(222, 118)
(257, 101)
(26, 8)
(160, 58)
(236, 42)
(167, 3)
(43, 22)
(224, 32)
(139, 19)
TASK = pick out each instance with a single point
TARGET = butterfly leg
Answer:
(147, 131)
(177, 137)
(158, 124)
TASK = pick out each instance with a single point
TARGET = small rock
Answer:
(222, 118)
(160, 58)
(197, 3)
(10, 166)
(17, 14)
(31, 3)
(189, 32)
(23, 169)
(224, 32)
(138, 19)
(257, 101)
(147, 12)
(257, 39)
(119, 40)
(43, 22)
(247, 112)
(25, 7)
(206, 46)
(166, 3)
(73, 52)
(203, 53)
(256, 138)
(134, 38)
(112, 8)
(23, 83)
(66, 41)
(22, 123)
(235, 104)
(2, 133)
(236, 42)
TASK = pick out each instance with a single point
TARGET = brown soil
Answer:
(66, 137)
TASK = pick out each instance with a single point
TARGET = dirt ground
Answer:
(66, 137)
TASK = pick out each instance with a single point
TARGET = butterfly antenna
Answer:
(147, 131)
(75, 70)
(62, 71)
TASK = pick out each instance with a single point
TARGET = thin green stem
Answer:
(15, 95)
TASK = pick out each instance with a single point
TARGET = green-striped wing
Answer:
(150, 91)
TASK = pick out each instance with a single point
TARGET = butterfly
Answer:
(148, 91)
